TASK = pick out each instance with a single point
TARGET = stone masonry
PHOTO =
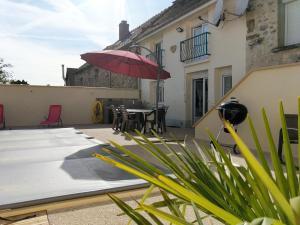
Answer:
(263, 45)
(94, 77)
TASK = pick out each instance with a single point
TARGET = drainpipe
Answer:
(63, 74)
(140, 88)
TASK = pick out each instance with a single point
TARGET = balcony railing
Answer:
(194, 48)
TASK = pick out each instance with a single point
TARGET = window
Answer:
(290, 22)
(159, 53)
(200, 30)
(226, 84)
(161, 92)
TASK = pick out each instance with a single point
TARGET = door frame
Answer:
(202, 75)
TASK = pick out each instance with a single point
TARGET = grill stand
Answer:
(234, 147)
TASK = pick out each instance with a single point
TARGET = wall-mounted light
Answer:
(179, 29)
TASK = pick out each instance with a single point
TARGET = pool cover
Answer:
(46, 165)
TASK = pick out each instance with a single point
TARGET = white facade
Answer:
(227, 56)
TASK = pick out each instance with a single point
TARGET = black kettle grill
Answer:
(233, 112)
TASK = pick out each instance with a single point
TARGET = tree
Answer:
(19, 82)
(4, 74)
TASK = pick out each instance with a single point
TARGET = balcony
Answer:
(194, 48)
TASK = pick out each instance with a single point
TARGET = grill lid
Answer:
(233, 111)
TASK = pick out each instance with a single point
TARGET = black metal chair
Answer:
(150, 119)
(162, 119)
(292, 128)
(117, 118)
(129, 120)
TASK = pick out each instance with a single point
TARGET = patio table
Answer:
(143, 112)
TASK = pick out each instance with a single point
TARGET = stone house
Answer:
(91, 76)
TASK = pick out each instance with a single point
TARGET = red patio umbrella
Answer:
(125, 62)
(130, 64)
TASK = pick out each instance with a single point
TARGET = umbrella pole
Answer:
(157, 96)
(159, 69)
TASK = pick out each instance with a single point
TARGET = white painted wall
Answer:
(227, 47)
(262, 88)
(26, 105)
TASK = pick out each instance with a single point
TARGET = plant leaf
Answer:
(145, 196)
(135, 216)
(259, 150)
(201, 201)
(168, 217)
(263, 175)
(280, 179)
(263, 221)
(290, 165)
(198, 217)
(137, 173)
(295, 203)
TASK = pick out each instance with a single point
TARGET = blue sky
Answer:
(37, 36)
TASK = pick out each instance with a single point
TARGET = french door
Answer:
(199, 41)
(200, 97)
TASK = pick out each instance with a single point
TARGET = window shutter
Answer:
(292, 22)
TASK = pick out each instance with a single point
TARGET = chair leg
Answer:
(114, 124)
(124, 126)
(161, 127)
(145, 127)
(280, 143)
(138, 125)
(119, 123)
(164, 125)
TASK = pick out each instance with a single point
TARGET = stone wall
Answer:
(263, 43)
(94, 77)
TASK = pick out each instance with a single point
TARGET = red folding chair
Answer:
(53, 116)
(2, 119)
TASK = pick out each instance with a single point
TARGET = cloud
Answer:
(42, 65)
(38, 36)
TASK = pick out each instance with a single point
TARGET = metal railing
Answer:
(194, 48)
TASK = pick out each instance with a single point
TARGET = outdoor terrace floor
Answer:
(106, 212)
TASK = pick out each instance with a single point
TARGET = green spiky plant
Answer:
(250, 194)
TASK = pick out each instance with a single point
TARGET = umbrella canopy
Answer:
(125, 62)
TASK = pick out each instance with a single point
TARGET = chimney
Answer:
(123, 30)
